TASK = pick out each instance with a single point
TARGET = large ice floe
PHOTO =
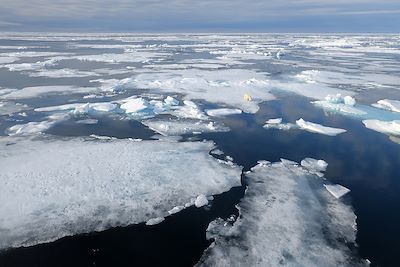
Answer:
(217, 86)
(287, 218)
(54, 188)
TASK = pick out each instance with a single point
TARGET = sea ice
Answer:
(314, 164)
(92, 185)
(36, 91)
(286, 218)
(220, 112)
(338, 103)
(337, 190)
(201, 201)
(277, 124)
(183, 126)
(386, 127)
(392, 105)
(318, 128)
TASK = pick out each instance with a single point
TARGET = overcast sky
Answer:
(201, 15)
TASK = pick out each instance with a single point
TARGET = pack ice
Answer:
(54, 188)
(288, 218)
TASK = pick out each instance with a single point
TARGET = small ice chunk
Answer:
(318, 128)
(277, 124)
(176, 210)
(87, 121)
(314, 164)
(274, 121)
(30, 128)
(220, 112)
(337, 190)
(155, 221)
(183, 126)
(170, 101)
(348, 100)
(392, 105)
(201, 201)
(386, 127)
(134, 105)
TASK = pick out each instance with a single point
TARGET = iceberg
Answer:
(318, 128)
(286, 218)
(92, 185)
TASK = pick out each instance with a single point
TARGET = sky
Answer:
(200, 15)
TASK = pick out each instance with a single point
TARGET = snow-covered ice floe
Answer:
(94, 185)
(183, 126)
(387, 127)
(220, 112)
(287, 217)
(303, 125)
(318, 128)
(388, 104)
(36, 91)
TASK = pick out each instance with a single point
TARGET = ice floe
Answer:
(386, 127)
(95, 185)
(388, 104)
(183, 126)
(277, 124)
(318, 128)
(286, 218)
(37, 91)
(338, 103)
(218, 86)
(220, 112)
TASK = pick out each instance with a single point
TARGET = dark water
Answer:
(364, 161)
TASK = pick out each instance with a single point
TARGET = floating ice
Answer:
(189, 110)
(392, 105)
(7, 108)
(134, 105)
(95, 185)
(337, 103)
(201, 201)
(36, 91)
(220, 112)
(217, 86)
(183, 126)
(314, 164)
(30, 128)
(286, 218)
(81, 108)
(318, 128)
(386, 127)
(277, 124)
(5, 60)
(337, 190)
(155, 221)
